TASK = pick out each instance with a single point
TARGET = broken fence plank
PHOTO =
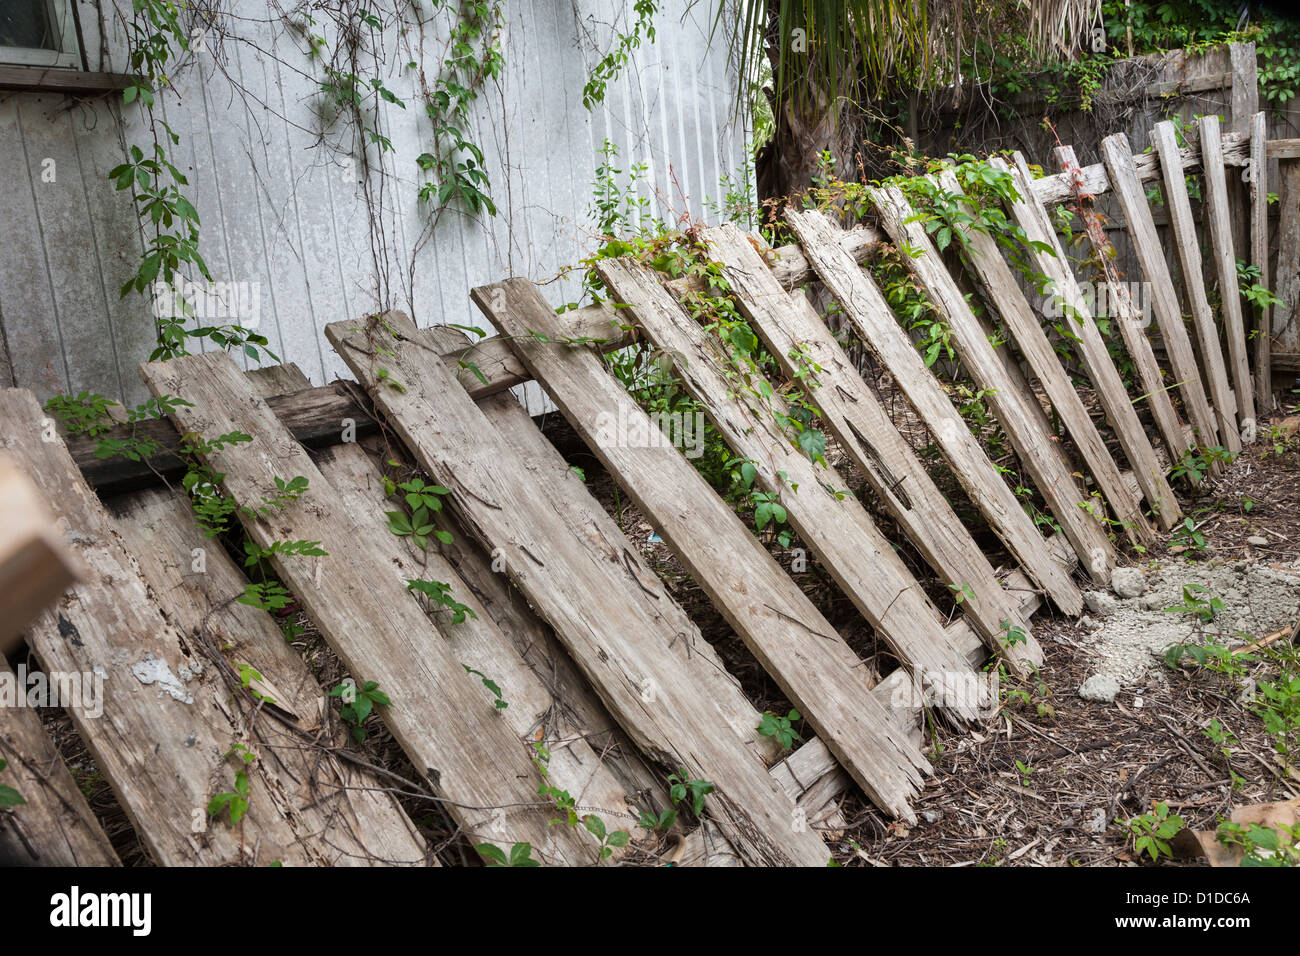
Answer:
(874, 323)
(1040, 455)
(1258, 171)
(440, 715)
(1164, 297)
(1028, 213)
(1008, 298)
(828, 519)
(789, 326)
(1183, 229)
(1219, 226)
(780, 625)
(54, 826)
(619, 647)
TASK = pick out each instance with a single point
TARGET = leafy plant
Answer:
(9, 797)
(1151, 832)
(491, 685)
(234, 802)
(358, 704)
(682, 786)
(1261, 845)
(1205, 608)
(780, 728)
(1188, 536)
(437, 594)
(521, 854)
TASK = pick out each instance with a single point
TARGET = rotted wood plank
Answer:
(1028, 213)
(55, 826)
(1004, 292)
(1183, 229)
(780, 625)
(1259, 258)
(339, 811)
(1041, 456)
(875, 324)
(440, 715)
(1219, 225)
(168, 718)
(831, 522)
(579, 584)
(789, 326)
(1132, 325)
(1164, 297)
(1286, 317)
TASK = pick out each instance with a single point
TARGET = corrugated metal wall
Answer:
(281, 205)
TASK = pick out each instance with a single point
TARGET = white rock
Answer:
(1100, 603)
(1099, 687)
(1258, 541)
(1128, 582)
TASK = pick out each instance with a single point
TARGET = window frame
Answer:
(67, 57)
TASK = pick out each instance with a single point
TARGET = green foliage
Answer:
(613, 62)
(1261, 845)
(1189, 536)
(1205, 608)
(358, 703)
(437, 594)
(9, 797)
(1151, 832)
(780, 728)
(682, 787)
(664, 821)
(234, 802)
(423, 500)
(521, 854)
(491, 685)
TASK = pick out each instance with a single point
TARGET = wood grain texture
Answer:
(1030, 214)
(338, 810)
(559, 567)
(168, 717)
(788, 325)
(831, 522)
(780, 625)
(1259, 259)
(1040, 455)
(874, 323)
(1008, 299)
(55, 827)
(1183, 229)
(1219, 227)
(1164, 297)
(1286, 315)
(440, 715)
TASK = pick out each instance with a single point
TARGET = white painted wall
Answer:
(280, 203)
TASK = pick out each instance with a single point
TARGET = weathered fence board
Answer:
(789, 326)
(559, 568)
(1219, 226)
(1029, 213)
(1041, 456)
(785, 631)
(440, 715)
(1183, 229)
(875, 324)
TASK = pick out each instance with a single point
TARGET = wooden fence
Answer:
(609, 683)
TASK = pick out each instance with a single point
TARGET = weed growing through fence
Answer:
(358, 704)
(781, 729)
(9, 797)
(500, 702)
(234, 803)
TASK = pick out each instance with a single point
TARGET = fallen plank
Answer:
(1132, 325)
(1259, 258)
(1031, 216)
(831, 522)
(168, 720)
(874, 323)
(559, 568)
(1219, 226)
(1183, 229)
(54, 826)
(340, 813)
(789, 326)
(440, 715)
(780, 625)
(1041, 456)
(1164, 297)
(1004, 292)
